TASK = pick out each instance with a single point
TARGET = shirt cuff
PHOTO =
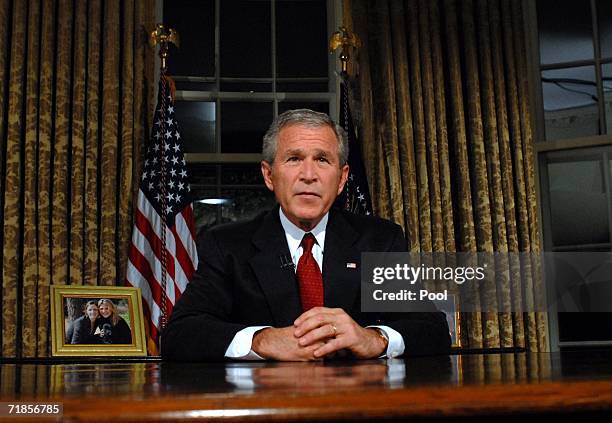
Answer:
(396, 346)
(240, 347)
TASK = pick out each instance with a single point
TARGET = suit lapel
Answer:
(278, 283)
(341, 284)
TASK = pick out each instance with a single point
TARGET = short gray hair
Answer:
(305, 117)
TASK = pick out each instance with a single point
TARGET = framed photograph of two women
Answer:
(97, 321)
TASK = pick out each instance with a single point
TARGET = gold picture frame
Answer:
(78, 327)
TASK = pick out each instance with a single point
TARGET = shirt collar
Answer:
(294, 234)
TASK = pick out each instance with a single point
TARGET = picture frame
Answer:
(97, 321)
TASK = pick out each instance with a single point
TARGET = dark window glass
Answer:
(195, 22)
(243, 125)
(202, 174)
(246, 203)
(230, 205)
(302, 86)
(301, 38)
(604, 14)
(197, 125)
(289, 105)
(255, 86)
(578, 204)
(570, 102)
(566, 31)
(246, 38)
(194, 85)
(607, 83)
(205, 215)
(241, 174)
(213, 206)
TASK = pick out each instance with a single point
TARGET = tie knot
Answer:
(307, 242)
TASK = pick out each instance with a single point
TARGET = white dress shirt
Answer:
(240, 347)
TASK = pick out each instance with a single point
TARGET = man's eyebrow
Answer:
(300, 152)
(293, 151)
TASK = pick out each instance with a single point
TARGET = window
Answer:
(575, 43)
(574, 142)
(578, 199)
(241, 63)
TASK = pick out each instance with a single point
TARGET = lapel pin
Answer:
(351, 265)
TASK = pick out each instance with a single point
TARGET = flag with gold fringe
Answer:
(162, 255)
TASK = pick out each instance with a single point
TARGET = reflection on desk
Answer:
(482, 385)
(320, 377)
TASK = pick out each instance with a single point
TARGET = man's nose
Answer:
(308, 171)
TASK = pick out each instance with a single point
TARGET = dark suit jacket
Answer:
(82, 333)
(241, 282)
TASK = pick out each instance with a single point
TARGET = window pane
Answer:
(565, 30)
(302, 86)
(317, 107)
(246, 38)
(195, 22)
(243, 125)
(201, 174)
(246, 86)
(570, 102)
(578, 205)
(607, 83)
(301, 38)
(197, 125)
(234, 205)
(206, 215)
(194, 85)
(604, 14)
(246, 203)
(241, 174)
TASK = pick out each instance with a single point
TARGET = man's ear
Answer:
(266, 171)
(343, 178)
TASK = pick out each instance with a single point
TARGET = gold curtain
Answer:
(442, 90)
(76, 86)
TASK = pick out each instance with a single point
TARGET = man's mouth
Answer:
(308, 194)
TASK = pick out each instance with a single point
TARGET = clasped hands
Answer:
(318, 333)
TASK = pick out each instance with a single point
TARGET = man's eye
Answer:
(323, 160)
(293, 159)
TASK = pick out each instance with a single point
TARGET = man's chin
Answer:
(308, 220)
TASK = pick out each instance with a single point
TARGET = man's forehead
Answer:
(307, 134)
(298, 129)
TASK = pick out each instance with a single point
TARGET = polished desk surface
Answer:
(475, 385)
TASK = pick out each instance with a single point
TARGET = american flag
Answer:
(356, 195)
(162, 255)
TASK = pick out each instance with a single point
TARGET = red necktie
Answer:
(309, 276)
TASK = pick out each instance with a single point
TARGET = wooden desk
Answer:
(478, 386)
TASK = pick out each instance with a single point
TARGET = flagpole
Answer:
(163, 36)
(355, 197)
(162, 256)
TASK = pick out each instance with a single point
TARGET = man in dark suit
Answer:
(259, 292)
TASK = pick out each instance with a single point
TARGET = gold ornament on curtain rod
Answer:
(162, 36)
(344, 39)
